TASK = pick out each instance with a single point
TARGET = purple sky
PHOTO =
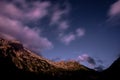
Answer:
(86, 31)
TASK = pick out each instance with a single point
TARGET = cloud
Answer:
(29, 37)
(59, 20)
(67, 38)
(6, 36)
(114, 14)
(80, 32)
(13, 27)
(114, 9)
(59, 17)
(56, 17)
(37, 10)
(63, 25)
(87, 58)
(10, 10)
(96, 64)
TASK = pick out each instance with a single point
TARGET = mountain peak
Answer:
(21, 57)
(16, 45)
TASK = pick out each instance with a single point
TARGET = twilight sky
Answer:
(84, 30)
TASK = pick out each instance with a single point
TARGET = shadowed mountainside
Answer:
(113, 72)
(20, 63)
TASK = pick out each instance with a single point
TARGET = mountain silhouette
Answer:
(19, 63)
(113, 72)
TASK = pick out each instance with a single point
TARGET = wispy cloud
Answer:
(19, 16)
(38, 11)
(63, 25)
(10, 10)
(80, 32)
(13, 27)
(67, 38)
(58, 17)
(28, 11)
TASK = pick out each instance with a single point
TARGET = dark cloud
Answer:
(87, 58)
(96, 64)
(91, 61)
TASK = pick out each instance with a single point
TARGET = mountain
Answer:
(20, 63)
(113, 72)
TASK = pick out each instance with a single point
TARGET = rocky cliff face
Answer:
(19, 63)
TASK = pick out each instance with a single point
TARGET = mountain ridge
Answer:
(13, 53)
(20, 63)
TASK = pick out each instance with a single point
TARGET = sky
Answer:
(87, 31)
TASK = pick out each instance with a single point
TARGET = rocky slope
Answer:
(20, 63)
